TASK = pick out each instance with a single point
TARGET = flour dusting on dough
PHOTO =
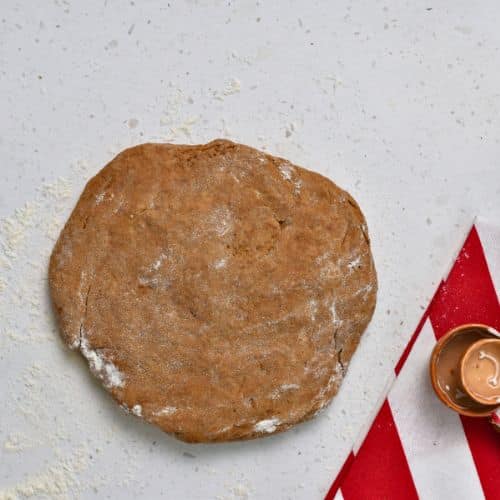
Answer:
(365, 290)
(278, 392)
(313, 308)
(101, 367)
(335, 317)
(286, 171)
(99, 198)
(219, 264)
(268, 425)
(354, 263)
(222, 220)
(167, 410)
(137, 410)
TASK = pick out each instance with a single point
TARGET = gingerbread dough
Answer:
(215, 290)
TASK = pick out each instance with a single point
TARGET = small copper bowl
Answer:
(453, 394)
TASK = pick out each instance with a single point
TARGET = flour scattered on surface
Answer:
(56, 481)
(268, 425)
(241, 491)
(173, 116)
(19, 442)
(60, 189)
(183, 129)
(13, 229)
(232, 87)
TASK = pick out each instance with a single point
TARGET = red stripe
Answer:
(340, 477)
(468, 296)
(484, 444)
(380, 469)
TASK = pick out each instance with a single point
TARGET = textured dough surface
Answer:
(217, 291)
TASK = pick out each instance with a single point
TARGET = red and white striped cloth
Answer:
(416, 447)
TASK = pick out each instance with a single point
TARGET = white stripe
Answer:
(489, 234)
(339, 496)
(457, 249)
(432, 435)
(366, 428)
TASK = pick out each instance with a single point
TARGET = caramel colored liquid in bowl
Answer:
(448, 369)
(481, 371)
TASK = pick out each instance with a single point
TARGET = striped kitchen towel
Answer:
(415, 446)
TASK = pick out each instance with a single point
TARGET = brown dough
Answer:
(217, 291)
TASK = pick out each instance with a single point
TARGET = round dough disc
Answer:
(216, 291)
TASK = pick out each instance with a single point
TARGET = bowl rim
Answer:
(466, 354)
(432, 368)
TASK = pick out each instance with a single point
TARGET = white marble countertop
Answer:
(397, 102)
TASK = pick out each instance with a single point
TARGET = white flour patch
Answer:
(232, 87)
(55, 482)
(324, 256)
(60, 189)
(334, 379)
(13, 229)
(313, 309)
(277, 393)
(19, 442)
(185, 128)
(150, 276)
(137, 410)
(99, 198)
(354, 263)
(268, 425)
(335, 318)
(365, 290)
(167, 410)
(286, 171)
(221, 220)
(289, 387)
(101, 367)
(150, 281)
(219, 264)
(157, 263)
(240, 491)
